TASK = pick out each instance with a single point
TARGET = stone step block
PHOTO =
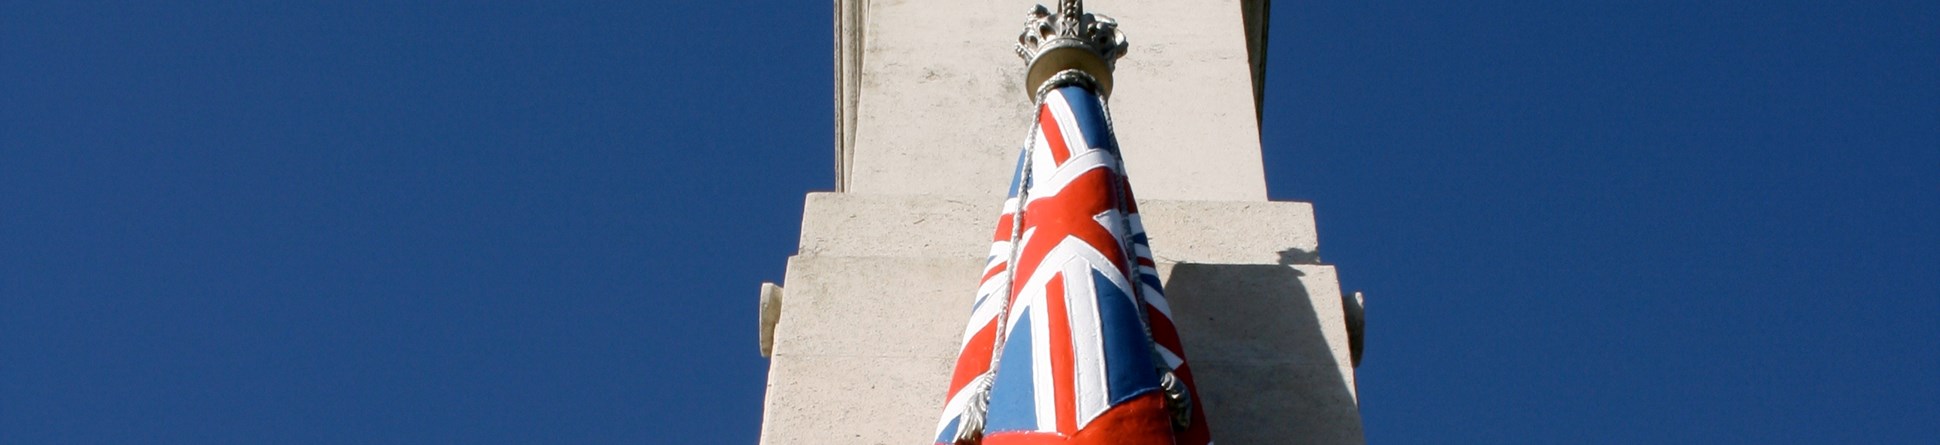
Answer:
(1222, 232)
(867, 342)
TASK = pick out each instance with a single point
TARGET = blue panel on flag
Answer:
(1013, 399)
(949, 432)
(1128, 352)
(1150, 280)
(1091, 118)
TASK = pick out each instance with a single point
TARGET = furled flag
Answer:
(1070, 340)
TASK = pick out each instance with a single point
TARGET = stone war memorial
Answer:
(1050, 225)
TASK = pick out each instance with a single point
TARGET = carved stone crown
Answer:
(1069, 40)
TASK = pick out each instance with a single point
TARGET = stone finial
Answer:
(1069, 46)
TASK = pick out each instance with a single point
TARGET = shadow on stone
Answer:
(1261, 356)
(1293, 256)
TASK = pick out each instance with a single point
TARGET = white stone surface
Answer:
(940, 92)
(1269, 348)
(854, 399)
(865, 348)
(877, 306)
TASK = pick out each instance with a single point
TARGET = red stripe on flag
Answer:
(1064, 394)
(1069, 214)
(1003, 228)
(1142, 420)
(1053, 134)
(1025, 438)
(994, 271)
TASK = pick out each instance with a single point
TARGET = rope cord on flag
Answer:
(1023, 192)
(1010, 265)
(1178, 400)
(970, 428)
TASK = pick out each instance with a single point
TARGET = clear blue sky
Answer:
(545, 222)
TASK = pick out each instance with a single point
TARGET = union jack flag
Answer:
(1086, 334)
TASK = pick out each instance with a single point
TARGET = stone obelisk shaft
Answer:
(930, 113)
